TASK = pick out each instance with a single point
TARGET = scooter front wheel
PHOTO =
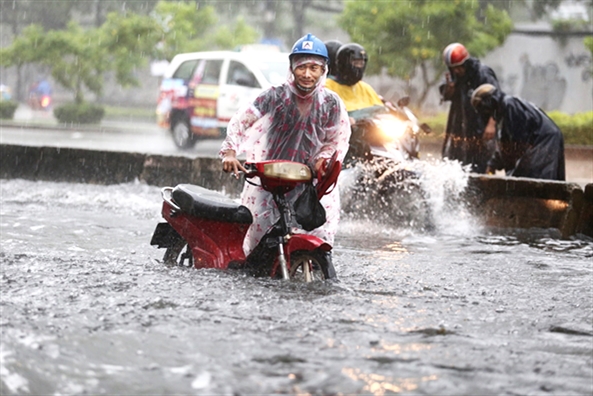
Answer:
(310, 266)
(179, 254)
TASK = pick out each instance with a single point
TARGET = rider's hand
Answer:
(490, 130)
(321, 167)
(449, 86)
(230, 163)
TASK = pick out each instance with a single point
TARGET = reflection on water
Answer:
(380, 385)
(87, 308)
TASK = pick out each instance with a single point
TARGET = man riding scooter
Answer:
(299, 121)
(375, 122)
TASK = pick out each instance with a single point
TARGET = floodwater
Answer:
(87, 308)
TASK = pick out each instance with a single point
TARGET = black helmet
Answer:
(332, 49)
(347, 73)
(484, 99)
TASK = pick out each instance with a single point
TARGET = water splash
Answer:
(419, 196)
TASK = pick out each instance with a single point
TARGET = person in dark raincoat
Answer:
(300, 121)
(468, 139)
(530, 143)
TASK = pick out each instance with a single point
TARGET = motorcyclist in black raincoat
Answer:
(467, 136)
(530, 143)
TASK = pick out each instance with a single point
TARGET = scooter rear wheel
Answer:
(179, 254)
(309, 266)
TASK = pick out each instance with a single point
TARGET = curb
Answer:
(500, 202)
(56, 127)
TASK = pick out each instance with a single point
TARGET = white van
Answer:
(201, 91)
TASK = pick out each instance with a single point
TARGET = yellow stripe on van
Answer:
(207, 91)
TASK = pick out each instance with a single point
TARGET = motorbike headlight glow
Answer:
(45, 100)
(288, 171)
(392, 128)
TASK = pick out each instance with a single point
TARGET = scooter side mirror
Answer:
(425, 128)
(403, 101)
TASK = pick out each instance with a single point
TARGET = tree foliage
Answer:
(240, 33)
(129, 41)
(80, 58)
(187, 27)
(184, 26)
(407, 37)
(74, 60)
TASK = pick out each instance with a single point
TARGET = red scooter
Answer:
(206, 229)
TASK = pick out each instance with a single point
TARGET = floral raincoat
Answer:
(283, 124)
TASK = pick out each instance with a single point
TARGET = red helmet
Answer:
(455, 55)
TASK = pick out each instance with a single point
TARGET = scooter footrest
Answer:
(212, 205)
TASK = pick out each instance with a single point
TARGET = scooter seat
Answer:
(212, 205)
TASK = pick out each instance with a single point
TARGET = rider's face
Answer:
(307, 75)
(358, 63)
(458, 70)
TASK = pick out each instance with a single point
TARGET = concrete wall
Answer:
(501, 202)
(552, 72)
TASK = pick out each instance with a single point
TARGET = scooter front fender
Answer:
(306, 242)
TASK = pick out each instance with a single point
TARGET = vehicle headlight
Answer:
(392, 128)
(287, 171)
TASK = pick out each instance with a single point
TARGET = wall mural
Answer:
(580, 61)
(543, 85)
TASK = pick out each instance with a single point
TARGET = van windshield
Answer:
(274, 71)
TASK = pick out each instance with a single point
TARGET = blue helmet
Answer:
(309, 45)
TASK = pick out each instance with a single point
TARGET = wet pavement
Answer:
(88, 308)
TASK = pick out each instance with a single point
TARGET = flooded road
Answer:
(87, 308)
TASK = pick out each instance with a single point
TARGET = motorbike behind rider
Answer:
(361, 100)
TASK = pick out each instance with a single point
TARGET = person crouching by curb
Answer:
(300, 121)
(530, 143)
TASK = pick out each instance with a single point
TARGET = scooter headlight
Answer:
(293, 171)
(392, 128)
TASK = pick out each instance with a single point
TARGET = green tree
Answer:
(79, 58)
(129, 42)
(184, 26)
(188, 27)
(240, 33)
(407, 37)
